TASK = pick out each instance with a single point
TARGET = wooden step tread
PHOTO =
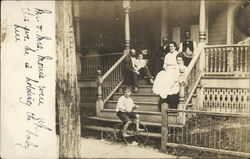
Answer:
(115, 101)
(139, 94)
(141, 86)
(141, 112)
(100, 128)
(117, 121)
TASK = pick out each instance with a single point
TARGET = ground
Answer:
(96, 148)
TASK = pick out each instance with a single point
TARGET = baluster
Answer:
(241, 49)
(212, 60)
(237, 59)
(224, 59)
(206, 60)
(246, 58)
(219, 59)
(216, 60)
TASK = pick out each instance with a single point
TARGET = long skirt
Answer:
(166, 83)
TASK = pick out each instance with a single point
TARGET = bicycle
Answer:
(139, 137)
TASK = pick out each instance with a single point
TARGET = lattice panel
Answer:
(226, 100)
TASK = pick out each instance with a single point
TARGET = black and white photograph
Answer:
(125, 79)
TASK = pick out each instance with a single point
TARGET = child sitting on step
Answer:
(142, 69)
(124, 110)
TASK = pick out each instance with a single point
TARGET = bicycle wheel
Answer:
(118, 131)
(107, 135)
(136, 137)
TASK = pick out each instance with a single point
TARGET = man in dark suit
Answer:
(187, 48)
(130, 72)
(160, 54)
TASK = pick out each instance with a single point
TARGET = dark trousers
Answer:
(126, 116)
(145, 72)
(158, 65)
(171, 100)
(186, 60)
(131, 79)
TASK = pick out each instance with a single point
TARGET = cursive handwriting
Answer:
(27, 50)
(18, 30)
(39, 122)
(29, 92)
(39, 39)
(28, 142)
(41, 65)
(41, 95)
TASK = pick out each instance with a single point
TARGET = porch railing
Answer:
(109, 82)
(227, 59)
(189, 81)
(91, 63)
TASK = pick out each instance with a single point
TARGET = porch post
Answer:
(164, 20)
(202, 26)
(126, 6)
(202, 34)
(230, 19)
(78, 36)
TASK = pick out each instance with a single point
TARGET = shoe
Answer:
(135, 89)
(151, 81)
(140, 130)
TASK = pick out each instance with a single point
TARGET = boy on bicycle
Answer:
(124, 110)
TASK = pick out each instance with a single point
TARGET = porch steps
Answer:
(100, 119)
(147, 116)
(101, 128)
(149, 106)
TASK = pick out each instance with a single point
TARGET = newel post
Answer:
(99, 102)
(181, 118)
(164, 126)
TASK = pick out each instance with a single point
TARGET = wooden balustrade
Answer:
(109, 82)
(227, 59)
(91, 63)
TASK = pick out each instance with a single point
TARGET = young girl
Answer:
(142, 68)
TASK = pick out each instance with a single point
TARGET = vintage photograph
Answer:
(151, 79)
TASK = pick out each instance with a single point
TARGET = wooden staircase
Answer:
(148, 110)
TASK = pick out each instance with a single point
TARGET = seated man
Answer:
(124, 110)
(142, 69)
(130, 73)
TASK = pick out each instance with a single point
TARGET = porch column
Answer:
(202, 26)
(164, 20)
(77, 36)
(230, 22)
(126, 6)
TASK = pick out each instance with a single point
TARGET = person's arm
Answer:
(165, 62)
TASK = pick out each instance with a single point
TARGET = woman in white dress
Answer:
(166, 83)
(165, 79)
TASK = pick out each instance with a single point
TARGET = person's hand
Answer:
(137, 72)
(135, 107)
